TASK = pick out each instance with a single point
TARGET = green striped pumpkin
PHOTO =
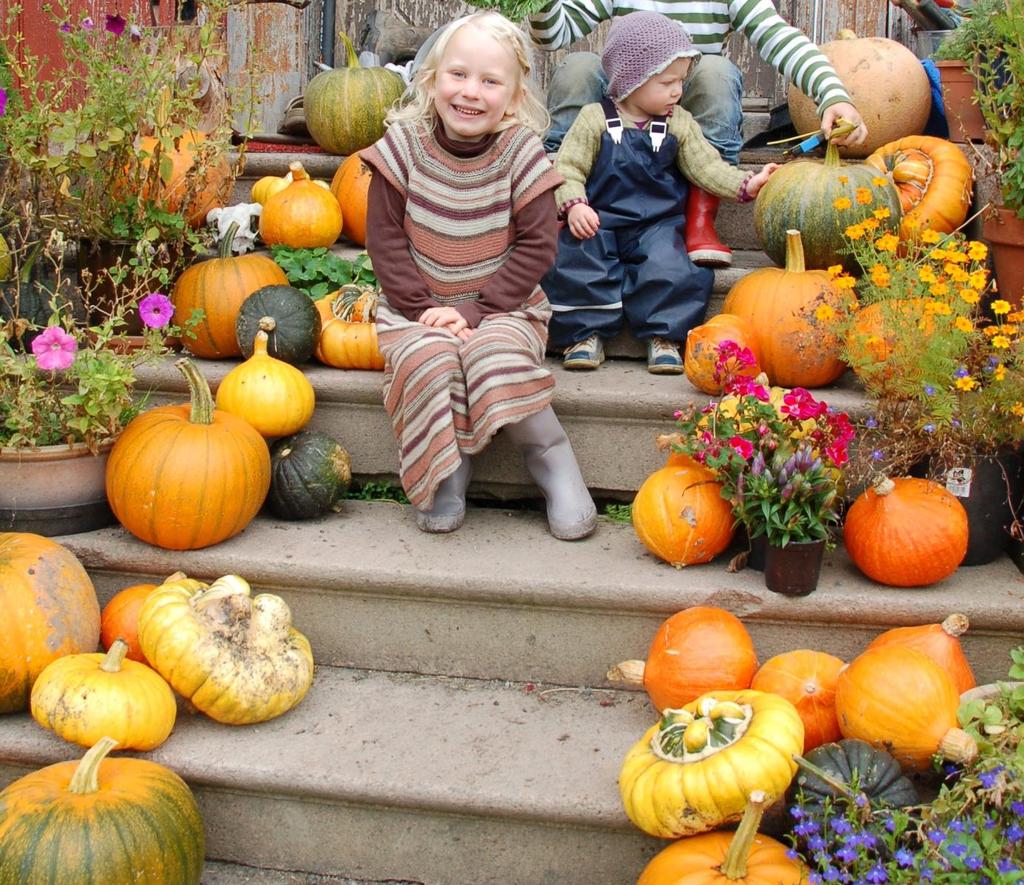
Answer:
(100, 821)
(802, 195)
(345, 107)
(309, 475)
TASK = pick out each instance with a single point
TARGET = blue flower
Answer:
(957, 849)
(791, 853)
(871, 423)
(817, 843)
(929, 390)
(1014, 832)
(929, 428)
(877, 455)
(1017, 807)
(962, 372)
(841, 825)
(806, 827)
(904, 857)
(973, 862)
(847, 854)
(796, 812)
(877, 874)
(957, 826)
(889, 824)
(861, 800)
(936, 836)
(1006, 866)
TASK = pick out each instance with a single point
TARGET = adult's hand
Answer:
(848, 112)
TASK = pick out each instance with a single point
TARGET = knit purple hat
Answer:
(640, 45)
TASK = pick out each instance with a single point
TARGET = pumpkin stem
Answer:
(832, 155)
(177, 576)
(225, 245)
(958, 746)
(259, 344)
(956, 624)
(86, 778)
(351, 59)
(794, 252)
(629, 673)
(112, 661)
(839, 786)
(883, 487)
(298, 173)
(736, 856)
(198, 392)
(228, 585)
(268, 324)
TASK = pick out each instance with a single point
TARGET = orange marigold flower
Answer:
(956, 257)
(999, 372)
(864, 196)
(958, 275)
(869, 224)
(842, 203)
(912, 223)
(845, 282)
(970, 296)
(1000, 342)
(926, 275)
(1017, 408)
(879, 181)
(991, 331)
(834, 270)
(881, 278)
(854, 232)
(964, 324)
(979, 279)
(937, 308)
(939, 289)
(824, 312)
(843, 179)
(1000, 306)
(966, 383)
(937, 255)
(883, 212)
(887, 242)
(1016, 316)
(977, 251)
(931, 236)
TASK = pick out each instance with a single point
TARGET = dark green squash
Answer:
(309, 475)
(858, 765)
(289, 318)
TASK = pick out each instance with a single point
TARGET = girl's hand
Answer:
(447, 318)
(756, 181)
(848, 112)
(583, 221)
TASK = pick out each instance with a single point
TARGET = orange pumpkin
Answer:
(184, 186)
(187, 476)
(702, 355)
(348, 334)
(351, 188)
(807, 679)
(48, 609)
(791, 314)
(120, 619)
(722, 857)
(941, 642)
(218, 287)
(934, 181)
(696, 650)
(900, 700)
(302, 215)
(906, 532)
(871, 342)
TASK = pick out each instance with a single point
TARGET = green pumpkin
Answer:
(345, 107)
(100, 821)
(872, 771)
(802, 195)
(289, 318)
(309, 475)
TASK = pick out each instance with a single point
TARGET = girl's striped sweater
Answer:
(560, 23)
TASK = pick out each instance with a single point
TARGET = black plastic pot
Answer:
(793, 570)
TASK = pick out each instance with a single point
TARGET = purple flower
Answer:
(957, 849)
(973, 862)
(156, 310)
(115, 24)
(88, 24)
(962, 372)
(871, 423)
(816, 843)
(54, 349)
(929, 428)
(847, 854)
(936, 837)
(1014, 833)
(65, 28)
(904, 857)
(3, 101)
(1006, 866)
(877, 874)
(841, 825)
(877, 455)
(1017, 807)
(135, 34)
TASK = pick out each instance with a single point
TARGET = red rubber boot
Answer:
(702, 243)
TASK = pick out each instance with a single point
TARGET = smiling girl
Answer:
(461, 227)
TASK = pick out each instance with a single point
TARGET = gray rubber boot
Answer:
(550, 459)
(449, 508)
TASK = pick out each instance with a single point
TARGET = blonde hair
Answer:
(418, 107)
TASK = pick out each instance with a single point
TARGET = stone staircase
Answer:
(460, 729)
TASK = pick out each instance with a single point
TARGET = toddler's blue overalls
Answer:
(635, 268)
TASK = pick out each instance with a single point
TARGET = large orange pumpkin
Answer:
(807, 679)
(906, 532)
(48, 608)
(696, 650)
(941, 642)
(187, 476)
(302, 215)
(185, 186)
(218, 287)
(791, 312)
(680, 515)
(351, 188)
(900, 700)
(934, 180)
(702, 343)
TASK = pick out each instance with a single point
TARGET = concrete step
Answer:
(221, 873)
(502, 599)
(612, 416)
(396, 776)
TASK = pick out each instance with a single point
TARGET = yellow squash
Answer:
(695, 769)
(236, 657)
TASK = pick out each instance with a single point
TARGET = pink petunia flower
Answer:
(88, 24)
(65, 28)
(156, 310)
(743, 447)
(3, 101)
(115, 24)
(54, 349)
(135, 33)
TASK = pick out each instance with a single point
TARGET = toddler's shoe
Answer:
(663, 357)
(585, 354)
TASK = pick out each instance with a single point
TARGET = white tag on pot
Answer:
(958, 481)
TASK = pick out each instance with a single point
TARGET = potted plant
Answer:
(941, 357)
(779, 455)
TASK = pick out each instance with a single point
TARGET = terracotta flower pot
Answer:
(962, 115)
(1004, 232)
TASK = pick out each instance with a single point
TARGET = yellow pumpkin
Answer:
(303, 215)
(236, 657)
(696, 768)
(83, 697)
(273, 396)
(269, 185)
(348, 335)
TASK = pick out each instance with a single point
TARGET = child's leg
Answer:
(577, 81)
(449, 507)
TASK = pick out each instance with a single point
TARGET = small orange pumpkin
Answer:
(680, 515)
(790, 311)
(807, 679)
(180, 187)
(941, 642)
(348, 334)
(702, 356)
(876, 329)
(906, 532)
(302, 215)
(120, 619)
(351, 188)
(696, 650)
(900, 700)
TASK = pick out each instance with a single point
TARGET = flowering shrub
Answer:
(942, 358)
(777, 452)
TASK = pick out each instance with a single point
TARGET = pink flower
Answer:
(801, 405)
(88, 24)
(156, 310)
(3, 101)
(749, 387)
(65, 28)
(135, 34)
(54, 349)
(115, 24)
(743, 447)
